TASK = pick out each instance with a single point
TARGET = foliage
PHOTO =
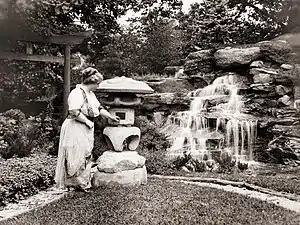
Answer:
(100, 144)
(28, 18)
(164, 45)
(148, 45)
(214, 24)
(21, 178)
(153, 146)
(27, 82)
(226, 162)
(122, 56)
(20, 136)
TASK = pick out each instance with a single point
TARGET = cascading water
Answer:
(214, 123)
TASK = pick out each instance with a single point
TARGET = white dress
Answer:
(77, 142)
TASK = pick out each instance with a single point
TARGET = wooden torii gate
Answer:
(67, 40)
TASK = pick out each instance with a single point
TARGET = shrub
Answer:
(226, 162)
(153, 146)
(18, 135)
(100, 143)
(23, 177)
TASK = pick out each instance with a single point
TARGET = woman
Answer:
(77, 134)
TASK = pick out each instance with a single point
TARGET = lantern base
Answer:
(123, 137)
(134, 177)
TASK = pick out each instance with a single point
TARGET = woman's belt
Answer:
(88, 117)
(91, 118)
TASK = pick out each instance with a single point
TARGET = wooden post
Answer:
(67, 80)
(29, 48)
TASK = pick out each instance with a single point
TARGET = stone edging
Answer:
(247, 186)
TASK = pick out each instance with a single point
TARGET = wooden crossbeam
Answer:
(36, 58)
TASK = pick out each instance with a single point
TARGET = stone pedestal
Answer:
(119, 136)
(120, 168)
(123, 166)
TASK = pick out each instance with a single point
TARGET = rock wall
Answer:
(269, 83)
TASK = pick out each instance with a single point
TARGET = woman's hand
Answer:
(115, 119)
(90, 124)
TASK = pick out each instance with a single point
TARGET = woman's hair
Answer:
(91, 76)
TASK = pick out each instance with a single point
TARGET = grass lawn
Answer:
(278, 178)
(159, 202)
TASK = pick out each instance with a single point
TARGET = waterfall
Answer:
(214, 123)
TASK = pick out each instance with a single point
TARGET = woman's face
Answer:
(93, 87)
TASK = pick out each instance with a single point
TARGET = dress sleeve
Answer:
(97, 103)
(75, 100)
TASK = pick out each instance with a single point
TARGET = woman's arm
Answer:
(105, 113)
(77, 115)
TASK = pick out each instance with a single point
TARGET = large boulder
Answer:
(278, 51)
(113, 162)
(200, 61)
(231, 57)
(170, 85)
(160, 102)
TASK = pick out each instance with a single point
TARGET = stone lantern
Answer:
(123, 165)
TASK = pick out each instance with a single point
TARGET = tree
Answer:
(225, 22)
(164, 44)
(54, 17)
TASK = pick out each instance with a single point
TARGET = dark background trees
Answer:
(160, 36)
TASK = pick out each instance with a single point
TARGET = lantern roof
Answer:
(124, 85)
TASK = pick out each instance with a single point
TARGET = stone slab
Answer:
(113, 162)
(125, 178)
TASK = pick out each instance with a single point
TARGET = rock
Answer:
(165, 102)
(285, 100)
(281, 154)
(171, 85)
(230, 57)
(287, 67)
(297, 104)
(286, 112)
(257, 71)
(234, 78)
(257, 64)
(172, 70)
(184, 169)
(282, 90)
(263, 87)
(291, 131)
(113, 162)
(125, 178)
(277, 51)
(263, 78)
(283, 80)
(285, 147)
(200, 80)
(201, 55)
(265, 102)
(216, 100)
(192, 67)
(200, 61)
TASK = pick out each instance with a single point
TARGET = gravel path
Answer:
(33, 202)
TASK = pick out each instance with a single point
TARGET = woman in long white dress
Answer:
(77, 134)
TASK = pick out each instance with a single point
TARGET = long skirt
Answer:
(74, 155)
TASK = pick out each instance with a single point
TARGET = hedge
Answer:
(24, 177)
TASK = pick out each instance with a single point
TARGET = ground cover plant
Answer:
(23, 177)
(159, 202)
